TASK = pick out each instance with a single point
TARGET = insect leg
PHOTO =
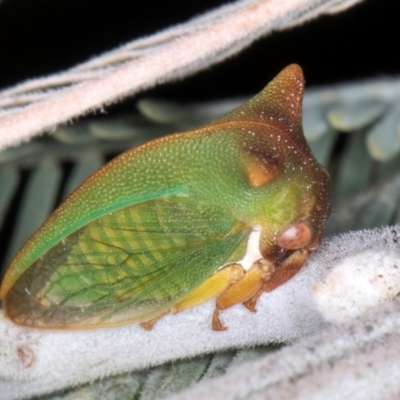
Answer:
(286, 270)
(282, 274)
(148, 325)
(250, 285)
(211, 287)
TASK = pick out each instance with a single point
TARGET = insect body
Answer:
(226, 211)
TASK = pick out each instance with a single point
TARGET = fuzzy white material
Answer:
(358, 284)
(35, 362)
(359, 360)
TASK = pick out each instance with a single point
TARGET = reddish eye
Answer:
(295, 237)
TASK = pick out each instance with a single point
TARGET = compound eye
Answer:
(295, 237)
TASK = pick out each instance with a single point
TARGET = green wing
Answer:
(130, 265)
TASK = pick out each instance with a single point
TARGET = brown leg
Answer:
(286, 270)
(148, 325)
(216, 322)
(244, 289)
(282, 274)
(250, 303)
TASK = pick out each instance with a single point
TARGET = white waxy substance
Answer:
(357, 284)
(253, 249)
